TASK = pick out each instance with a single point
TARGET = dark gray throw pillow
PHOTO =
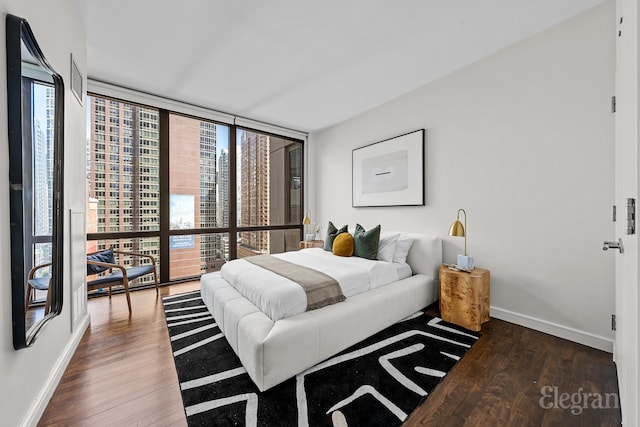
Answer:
(103, 256)
(366, 242)
(332, 233)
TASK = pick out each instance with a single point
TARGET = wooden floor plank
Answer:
(123, 374)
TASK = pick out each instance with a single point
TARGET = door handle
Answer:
(613, 245)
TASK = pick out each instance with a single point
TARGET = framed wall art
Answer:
(389, 172)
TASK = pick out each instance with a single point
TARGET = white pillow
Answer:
(402, 248)
(387, 247)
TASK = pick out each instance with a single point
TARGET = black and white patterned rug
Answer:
(377, 382)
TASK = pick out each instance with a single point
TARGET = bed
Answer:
(274, 351)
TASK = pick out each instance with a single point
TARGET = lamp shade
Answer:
(457, 229)
(306, 220)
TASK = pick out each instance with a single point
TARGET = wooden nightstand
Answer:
(311, 244)
(464, 297)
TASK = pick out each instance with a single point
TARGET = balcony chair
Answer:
(38, 284)
(117, 274)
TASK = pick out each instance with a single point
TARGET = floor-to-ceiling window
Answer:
(192, 192)
(198, 196)
(123, 176)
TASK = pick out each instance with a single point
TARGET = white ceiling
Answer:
(301, 64)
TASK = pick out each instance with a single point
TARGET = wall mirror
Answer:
(35, 95)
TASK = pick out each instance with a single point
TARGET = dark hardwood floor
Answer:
(514, 376)
(123, 375)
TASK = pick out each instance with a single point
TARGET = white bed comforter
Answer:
(278, 297)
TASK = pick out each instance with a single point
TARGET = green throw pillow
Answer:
(332, 233)
(366, 242)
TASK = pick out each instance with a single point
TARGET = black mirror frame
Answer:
(17, 30)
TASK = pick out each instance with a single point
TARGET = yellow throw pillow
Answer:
(343, 245)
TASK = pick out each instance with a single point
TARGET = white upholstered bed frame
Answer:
(272, 351)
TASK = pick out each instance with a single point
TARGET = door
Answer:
(626, 187)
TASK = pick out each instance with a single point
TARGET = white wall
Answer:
(29, 375)
(523, 140)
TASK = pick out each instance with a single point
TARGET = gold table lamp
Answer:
(306, 221)
(457, 229)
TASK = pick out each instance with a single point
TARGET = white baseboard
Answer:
(571, 334)
(40, 403)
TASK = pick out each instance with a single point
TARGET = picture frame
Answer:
(389, 172)
(77, 86)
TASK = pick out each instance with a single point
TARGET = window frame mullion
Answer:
(164, 178)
